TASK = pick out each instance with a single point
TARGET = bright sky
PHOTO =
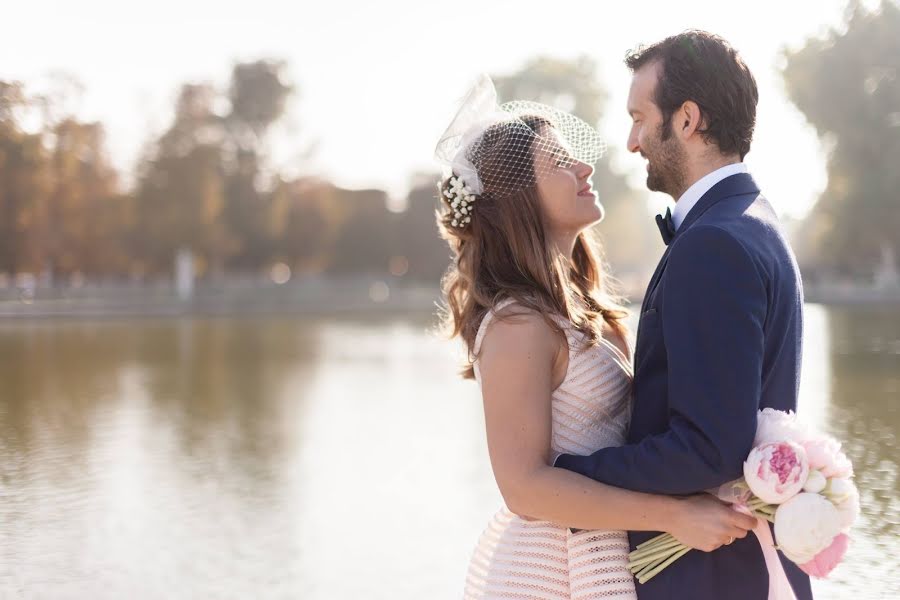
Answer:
(379, 81)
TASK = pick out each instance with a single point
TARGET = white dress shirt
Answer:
(703, 185)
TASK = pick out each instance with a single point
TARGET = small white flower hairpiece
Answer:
(461, 200)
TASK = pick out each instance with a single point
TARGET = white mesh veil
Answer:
(498, 150)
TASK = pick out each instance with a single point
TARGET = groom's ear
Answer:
(688, 120)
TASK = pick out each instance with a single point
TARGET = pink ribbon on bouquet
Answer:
(779, 586)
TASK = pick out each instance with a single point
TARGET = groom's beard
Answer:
(667, 161)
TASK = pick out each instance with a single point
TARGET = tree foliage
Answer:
(848, 86)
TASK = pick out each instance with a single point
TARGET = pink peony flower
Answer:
(776, 471)
(778, 426)
(824, 453)
(826, 560)
(806, 525)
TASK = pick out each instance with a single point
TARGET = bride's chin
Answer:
(594, 221)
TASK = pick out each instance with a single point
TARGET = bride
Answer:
(551, 354)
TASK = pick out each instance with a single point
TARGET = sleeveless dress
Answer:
(517, 558)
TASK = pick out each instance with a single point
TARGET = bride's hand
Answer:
(705, 523)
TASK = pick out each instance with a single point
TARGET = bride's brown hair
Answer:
(504, 252)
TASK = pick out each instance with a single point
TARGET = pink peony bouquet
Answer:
(797, 479)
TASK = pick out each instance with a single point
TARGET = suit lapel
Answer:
(735, 185)
(655, 279)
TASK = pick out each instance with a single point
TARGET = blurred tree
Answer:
(426, 255)
(85, 215)
(202, 185)
(179, 196)
(23, 182)
(59, 193)
(630, 240)
(365, 241)
(257, 97)
(305, 218)
(848, 86)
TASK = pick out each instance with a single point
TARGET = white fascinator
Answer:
(497, 150)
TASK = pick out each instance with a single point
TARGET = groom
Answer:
(720, 328)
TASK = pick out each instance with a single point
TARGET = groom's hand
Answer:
(705, 523)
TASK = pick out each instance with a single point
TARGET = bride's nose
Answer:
(583, 169)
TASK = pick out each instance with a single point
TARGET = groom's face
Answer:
(666, 157)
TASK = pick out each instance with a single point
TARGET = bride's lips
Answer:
(586, 190)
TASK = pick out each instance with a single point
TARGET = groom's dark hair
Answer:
(704, 68)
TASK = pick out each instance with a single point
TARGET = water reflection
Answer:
(293, 458)
(133, 450)
(864, 364)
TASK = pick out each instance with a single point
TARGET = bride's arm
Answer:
(516, 367)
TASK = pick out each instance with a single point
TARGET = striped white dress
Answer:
(522, 559)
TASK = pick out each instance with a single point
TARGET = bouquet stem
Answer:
(663, 537)
(654, 555)
(645, 577)
(649, 567)
(661, 542)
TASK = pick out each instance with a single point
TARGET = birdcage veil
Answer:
(501, 149)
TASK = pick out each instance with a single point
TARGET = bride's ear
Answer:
(688, 120)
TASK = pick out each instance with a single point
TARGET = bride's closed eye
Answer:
(563, 159)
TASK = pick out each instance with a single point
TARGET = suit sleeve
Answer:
(715, 305)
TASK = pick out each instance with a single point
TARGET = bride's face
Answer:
(568, 201)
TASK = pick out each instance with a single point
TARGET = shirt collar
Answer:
(703, 185)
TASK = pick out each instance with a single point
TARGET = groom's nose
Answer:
(633, 145)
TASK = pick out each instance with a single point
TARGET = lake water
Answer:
(319, 458)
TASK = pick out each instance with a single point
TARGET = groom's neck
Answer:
(703, 166)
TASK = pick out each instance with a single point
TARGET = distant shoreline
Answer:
(845, 294)
(310, 297)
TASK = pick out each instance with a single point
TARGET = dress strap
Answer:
(616, 354)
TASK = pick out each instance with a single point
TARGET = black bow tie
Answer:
(666, 226)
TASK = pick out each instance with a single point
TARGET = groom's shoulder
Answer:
(751, 223)
(749, 218)
(747, 221)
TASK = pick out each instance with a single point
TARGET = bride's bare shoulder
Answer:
(519, 339)
(516, 324)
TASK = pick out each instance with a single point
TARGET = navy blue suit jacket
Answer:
(719, 338)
